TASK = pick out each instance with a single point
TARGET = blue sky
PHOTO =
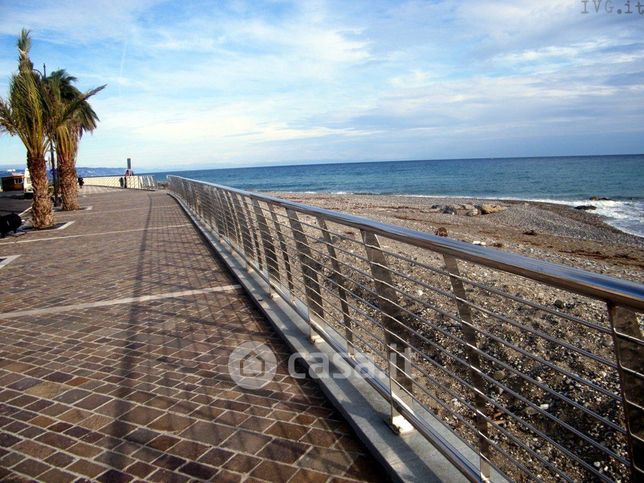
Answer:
(238, 83)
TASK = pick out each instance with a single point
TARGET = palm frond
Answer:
(44, 111)
(24, 46)
(7, 122)
(80, 111)
(28, 107)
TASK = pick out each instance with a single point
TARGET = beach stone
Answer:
(530, 232)
(449, 210)
(559, 304)
(441, 231)
(468, 206)
(585, 207)
(530, 411)
(488, 208)
(472, 212)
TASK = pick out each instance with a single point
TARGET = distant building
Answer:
(13, 182)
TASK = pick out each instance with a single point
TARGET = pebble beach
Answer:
(547, 231)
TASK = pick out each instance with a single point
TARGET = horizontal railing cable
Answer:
(453, 344)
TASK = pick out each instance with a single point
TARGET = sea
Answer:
(618, 181)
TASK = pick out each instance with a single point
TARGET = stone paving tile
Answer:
(141, 390)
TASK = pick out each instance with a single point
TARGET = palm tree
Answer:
(69, 106)
(24, 113)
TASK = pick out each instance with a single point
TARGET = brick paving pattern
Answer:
(139, 389)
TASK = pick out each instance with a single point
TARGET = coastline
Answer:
(549, 231)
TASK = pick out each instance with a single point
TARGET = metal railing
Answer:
(146, 182)
(536, 367)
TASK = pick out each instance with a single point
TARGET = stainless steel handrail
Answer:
(594, 285)
(358, 302)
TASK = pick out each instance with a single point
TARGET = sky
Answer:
(197, 84)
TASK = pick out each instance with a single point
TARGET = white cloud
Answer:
(199, 82)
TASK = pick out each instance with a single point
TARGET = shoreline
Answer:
(600, 211)
(545, 230)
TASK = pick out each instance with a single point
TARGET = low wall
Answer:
(132, 182)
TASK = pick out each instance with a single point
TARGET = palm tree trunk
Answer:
(41, 207)
(68, 183)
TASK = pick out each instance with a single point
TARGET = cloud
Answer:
(280, 81)
(72, 20)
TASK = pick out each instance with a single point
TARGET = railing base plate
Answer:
(400, 425)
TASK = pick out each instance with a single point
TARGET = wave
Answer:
(627, 216)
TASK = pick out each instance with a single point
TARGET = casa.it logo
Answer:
(252, 365)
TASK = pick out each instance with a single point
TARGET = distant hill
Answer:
(86, 172)
(5, 168)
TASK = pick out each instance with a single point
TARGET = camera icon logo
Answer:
(252, 365)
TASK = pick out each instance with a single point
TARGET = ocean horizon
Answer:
(570, 180)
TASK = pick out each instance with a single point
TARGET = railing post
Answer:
(284, 250)
(309, 271)
(204, 202)
(398, 350)
(253, 231)
(189, 198)
(267, 243)
(193, 197)
(469, 335)
(339, 279)
(628, 342)
(245, 231)
(234, 220)
(229, 229)
(214, 218)
(199, 199)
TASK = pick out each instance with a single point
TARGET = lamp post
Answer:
(54, 173)
(52, 157)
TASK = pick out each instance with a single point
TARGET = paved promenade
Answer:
(116, 332)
